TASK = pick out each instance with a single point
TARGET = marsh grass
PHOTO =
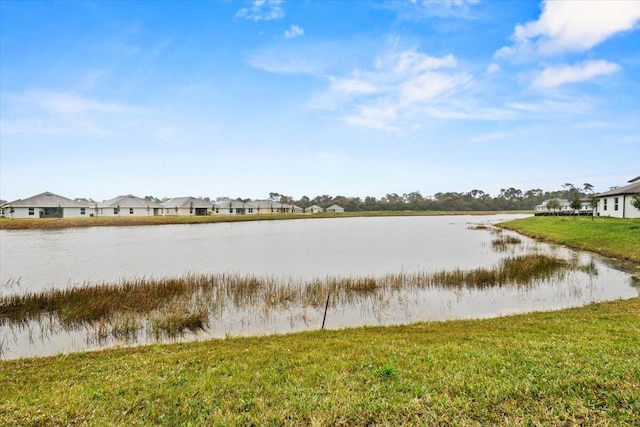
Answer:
(503, 243)
(171, 307)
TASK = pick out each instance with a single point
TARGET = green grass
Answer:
(573, 367)
(617, 238)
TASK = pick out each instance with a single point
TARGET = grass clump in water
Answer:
(503, 243)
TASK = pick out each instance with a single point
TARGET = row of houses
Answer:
(614, 203)
(50, 205)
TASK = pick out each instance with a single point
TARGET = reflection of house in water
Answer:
(128, 206)
(45, 205)
(187, 206)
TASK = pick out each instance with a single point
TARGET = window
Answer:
(250, 210)
(130, 211)
(82, 211)
(604, 204)
(115, 211)
(615, 204)
(31, 211)
(217, 210)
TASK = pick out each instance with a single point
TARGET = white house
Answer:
(270, 206)
(564, 208)
(234, 207)
(314, 209)
(128, 206)
(45, 205)
(335, 209)
(187, 206)
(617, 202)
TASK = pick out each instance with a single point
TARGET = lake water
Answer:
(291, 250)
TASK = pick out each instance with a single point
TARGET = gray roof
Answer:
(225, 204)
(632, 188)
(186, 202)
(128, 201)
(47, 200)
(270, 204)
(335, 207)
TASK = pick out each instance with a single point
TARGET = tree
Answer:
(576, 204)
(553, 205)
(635, 201)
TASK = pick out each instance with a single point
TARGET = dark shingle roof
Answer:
(633, 188)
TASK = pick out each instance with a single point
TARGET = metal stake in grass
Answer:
(325, 309)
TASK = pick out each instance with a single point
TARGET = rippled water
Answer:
(299, 249)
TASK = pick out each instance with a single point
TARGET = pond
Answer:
(290, 251)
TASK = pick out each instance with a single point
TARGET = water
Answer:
(299, 249)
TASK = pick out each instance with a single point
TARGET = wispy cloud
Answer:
(262, 10)
(398, 88)
(420, 9)
(572, 26)
(489, 137)
(47, 112)
(587, 70)
(293, 32)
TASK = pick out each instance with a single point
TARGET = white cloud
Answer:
(556, 76)
(572, 26)
(262, 10)
(57, 113)
(494, 136)
(400, 87)
(493, 68)
(293, 32)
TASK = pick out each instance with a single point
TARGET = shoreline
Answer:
(61, 223)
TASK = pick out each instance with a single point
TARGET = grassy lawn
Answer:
(617, 238)
(573, 367)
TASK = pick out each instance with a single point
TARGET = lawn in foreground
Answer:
(578, 366)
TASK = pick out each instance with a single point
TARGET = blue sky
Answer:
(352, 98)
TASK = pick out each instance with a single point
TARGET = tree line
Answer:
(474, 200)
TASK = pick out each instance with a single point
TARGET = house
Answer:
(564, 208)
(270, 206)
(128, 206)
(234, 207)
(45, 205)
(187, 206)
(617, 202)
(296, 209)
(335, 209)
(314, 209)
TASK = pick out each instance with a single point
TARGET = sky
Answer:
(306, 98)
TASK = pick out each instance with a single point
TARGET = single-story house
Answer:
(314, 209)
(617, 202)
(269, 207)
(45, 205)
(234, 207)
(335, 209)
(296, 209)
(564, 208)
(187, 206)
(128, 206)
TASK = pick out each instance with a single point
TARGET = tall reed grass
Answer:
(172, 306)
